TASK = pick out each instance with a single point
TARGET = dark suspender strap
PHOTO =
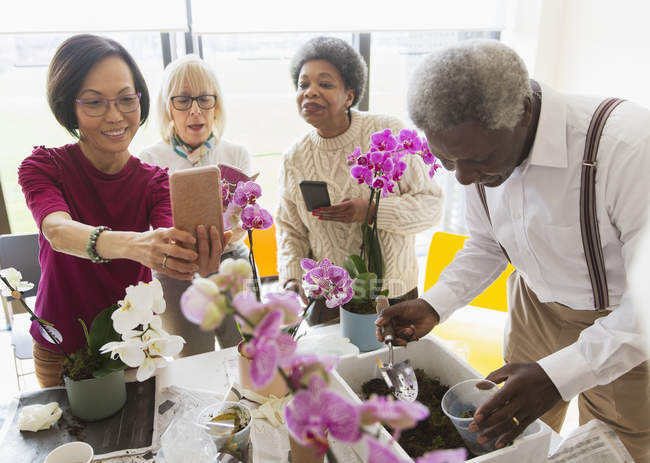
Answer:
(588, 216)
(481, 194)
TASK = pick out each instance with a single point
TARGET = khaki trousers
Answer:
(537, 329)
(48, 366)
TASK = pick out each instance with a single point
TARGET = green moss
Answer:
(437, 431)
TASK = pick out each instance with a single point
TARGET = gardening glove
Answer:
(38, 417)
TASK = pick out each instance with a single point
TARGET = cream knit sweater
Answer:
(415, 206)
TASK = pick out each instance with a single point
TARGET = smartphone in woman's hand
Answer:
(196, 199)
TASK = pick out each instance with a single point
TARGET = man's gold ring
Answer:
(514, 418)
(164, 262)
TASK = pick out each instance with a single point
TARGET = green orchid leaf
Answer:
(109, 366)
(101, 330)
(375, 259)
(354, 265)
(364, 285)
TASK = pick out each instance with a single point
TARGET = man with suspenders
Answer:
(559, 186)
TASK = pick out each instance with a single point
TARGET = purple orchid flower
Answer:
(226, 192)
(303, 366)
(384, 184)
(316, 412)
(268, 349)
(381, 453)
(246, 193)
(383, 140)
(361, 173)
(352, 158)
(254, 217)
(410, 141)
(329, 281)
(444, 456)
(394, 413)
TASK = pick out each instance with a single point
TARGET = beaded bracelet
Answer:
(92, 243)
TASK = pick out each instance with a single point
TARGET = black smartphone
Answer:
(315, 194)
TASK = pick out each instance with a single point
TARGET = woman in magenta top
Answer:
(95, 204)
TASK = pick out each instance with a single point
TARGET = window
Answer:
(27, 120)
(393, 56)
(261, 112)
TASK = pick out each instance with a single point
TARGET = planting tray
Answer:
(438, 362)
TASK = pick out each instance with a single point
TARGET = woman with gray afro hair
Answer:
(339, 53)
(480, 80)
(329, 76)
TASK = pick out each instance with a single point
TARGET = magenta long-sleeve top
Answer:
(134, 199)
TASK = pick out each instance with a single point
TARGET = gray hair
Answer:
(195, 73)
(343, 57)
(479, 80)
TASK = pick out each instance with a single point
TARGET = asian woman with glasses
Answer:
(104, 216)
(191, 119)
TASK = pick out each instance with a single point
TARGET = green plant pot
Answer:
(96, 398)
(360, 330)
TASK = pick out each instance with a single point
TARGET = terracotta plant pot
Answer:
(303, 454)
(360, 330)
(96, 398)
(276, 387)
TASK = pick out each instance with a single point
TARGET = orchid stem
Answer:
(331, 458)
(251, 259)
(365, 223)
(44, 324)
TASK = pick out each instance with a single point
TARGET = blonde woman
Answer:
(191, 118)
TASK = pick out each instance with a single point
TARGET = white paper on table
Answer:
(593, 442)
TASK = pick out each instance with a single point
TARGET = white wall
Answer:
(598, 47)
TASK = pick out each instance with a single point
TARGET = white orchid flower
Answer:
(149, 366)
(165, 346)
(130, 351)
(135, 309)
(159, 304)
(14, 277)
(154, 330)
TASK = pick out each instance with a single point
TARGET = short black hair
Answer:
(70, 65)
(343, 57)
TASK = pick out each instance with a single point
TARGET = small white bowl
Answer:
(72, 452)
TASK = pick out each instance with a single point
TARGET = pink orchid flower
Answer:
(317, 411)
(246, 304)
(268, 349)
(380, 453)
(254, 217)
(303, 366)
(383, 140)
(410, 141)
(394, 413)
(246, 193)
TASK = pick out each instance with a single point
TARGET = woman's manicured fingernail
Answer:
(499, 445)
(473, 427)
(482, 439)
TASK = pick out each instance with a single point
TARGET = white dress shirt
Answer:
(536, 217)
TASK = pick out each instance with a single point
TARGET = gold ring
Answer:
(164, 262)
(514, 418)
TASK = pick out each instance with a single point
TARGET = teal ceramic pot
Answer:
(360, 330)
(96, 398)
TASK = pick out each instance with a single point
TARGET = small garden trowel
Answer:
(400, 378)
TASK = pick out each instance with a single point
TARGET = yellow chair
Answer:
(266, 252)
(479, 336)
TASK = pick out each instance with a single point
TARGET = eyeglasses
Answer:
(183, 103)
(98, 106)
